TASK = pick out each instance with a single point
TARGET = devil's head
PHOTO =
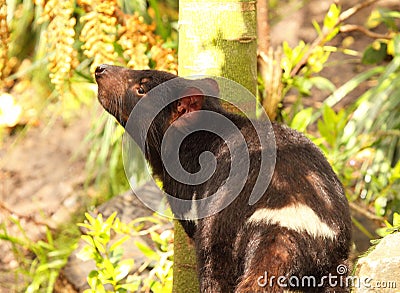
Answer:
(120, 89)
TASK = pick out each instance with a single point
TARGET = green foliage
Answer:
(331, 22)
(331, 126)
(375, 53)
(49, 256)
(362, 141)
(111, 268)
(382, 48)
(133, 43)
(55, 47)
(302, 119)
(47, 50)
(305, 60)
(104, 162)
(390, 228)
(114, 271)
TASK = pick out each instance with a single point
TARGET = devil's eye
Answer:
(140, 91)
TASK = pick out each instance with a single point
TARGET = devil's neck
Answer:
(190, 149)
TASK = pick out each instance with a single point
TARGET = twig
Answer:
(263, 31)
(353, 27)
(364, 212)
(271, 72)
(27, 218)
(342, 17)
(353, 10)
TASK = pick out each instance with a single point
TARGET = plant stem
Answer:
(319, 40)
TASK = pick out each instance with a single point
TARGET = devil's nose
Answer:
(100, 70)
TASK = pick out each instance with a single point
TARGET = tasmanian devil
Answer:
(296, 236)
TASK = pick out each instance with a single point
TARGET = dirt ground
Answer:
(41, 182)
(43, 173)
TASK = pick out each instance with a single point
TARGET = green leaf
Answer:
(287, 50)
(317, 27)
(332, 34)
(374, 19)
(156, 238)
(116, 255)
(327, 127)
(393, 14)
(61, 252)
(110, 219)
(329, 116)
(123, 269)
(56, 264)
(86, 253)
(332, 17)
(299, 51)
(108, 269)
(349, 86)
(156, 287)
(286, 61)
(322, 129)
(99, 245)
(396, 41)
(303, 84)
(374, 55)
(88, 239)
(92, 279)
(387, 17)
(133, 287)
(119, 242)
(44, 245)
(323, 83)
(147, 251)
(396, 220)
(302, 119)
(91, 220)
(85, 225)
(395, 172)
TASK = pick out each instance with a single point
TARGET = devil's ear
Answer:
(208, 86)
(191, 100)
(192, 97)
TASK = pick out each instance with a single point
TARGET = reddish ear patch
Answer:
(189, 104)
(191, 101)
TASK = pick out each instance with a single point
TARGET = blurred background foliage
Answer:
(52, 47)
(49, 50)
(48, 53)
(361, 140)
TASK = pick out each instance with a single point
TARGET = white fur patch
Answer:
(299, 218)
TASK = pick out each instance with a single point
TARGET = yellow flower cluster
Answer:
(60, 37)
(99, 31)
(104, 26)
(141, 47)
(164, 58)
(135, 37)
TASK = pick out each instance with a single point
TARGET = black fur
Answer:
(233, 253)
